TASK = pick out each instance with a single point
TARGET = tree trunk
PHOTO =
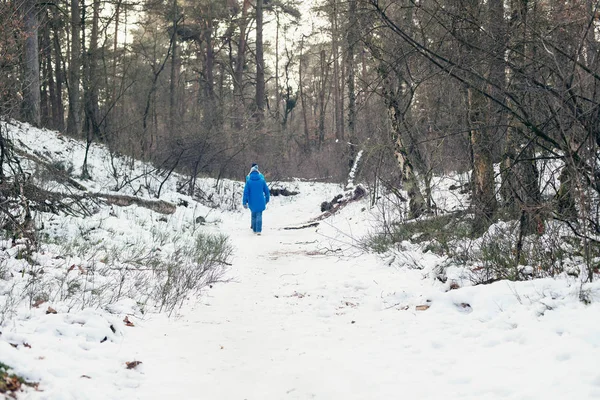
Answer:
(74, 120)
(565, 199)
(210, 62)
(93, 78)
(31, 88)
(213, 113)
(417, 205)
(484, 202)
(351, 43)
(238, 85)
(323, 84)
(338, 103)
(301, 62)
(260, 64)
(483, 194)
(277, 88)
(520, 187)
(174, 67)
(47, 85)
(57, 101)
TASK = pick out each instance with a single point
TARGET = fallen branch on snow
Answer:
(309, 225)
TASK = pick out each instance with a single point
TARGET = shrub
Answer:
(189, 269)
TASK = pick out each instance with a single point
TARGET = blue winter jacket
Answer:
(256, 192)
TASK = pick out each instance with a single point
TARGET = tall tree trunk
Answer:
(260, 64)
(323, 84)
(47, 86)
(31, 88)
(520, 188)
(57, 101)
(352, 39)
(210, 61)
(301, 62)
(212, 114)
(398, 97)
(91, 83)
(483, 194)
(484, 202)
(74, 120)
(277, 88)
(338, 103)
(238, 77)
(417, 205)
(174, 67)
(115, 49)
(93, 78)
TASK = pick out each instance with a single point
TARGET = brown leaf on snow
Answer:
(127, 321)
(50, 310)
(25, 344)
(422, 307)
(132, 364)
(71, 268)
(38, 303)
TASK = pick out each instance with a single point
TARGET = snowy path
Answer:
(295, 324)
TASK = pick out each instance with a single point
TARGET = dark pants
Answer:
(256, 222)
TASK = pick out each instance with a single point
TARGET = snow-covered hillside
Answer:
(297, 314)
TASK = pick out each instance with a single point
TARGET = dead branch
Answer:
(309, 225)
(59, 175)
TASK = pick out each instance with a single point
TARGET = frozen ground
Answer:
(305, 315)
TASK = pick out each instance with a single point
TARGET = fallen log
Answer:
(310, 225)
(340, 201)
(159, 206)
(282, 192)
(50, 201)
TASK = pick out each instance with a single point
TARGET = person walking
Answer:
(256, 197)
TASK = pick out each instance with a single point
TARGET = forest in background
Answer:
(506, 89)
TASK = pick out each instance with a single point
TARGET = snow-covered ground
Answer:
(303, 314)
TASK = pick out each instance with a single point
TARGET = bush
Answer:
(438, 233)
(161, 272)
(495, 255)
(190, 269)
(553, 253)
